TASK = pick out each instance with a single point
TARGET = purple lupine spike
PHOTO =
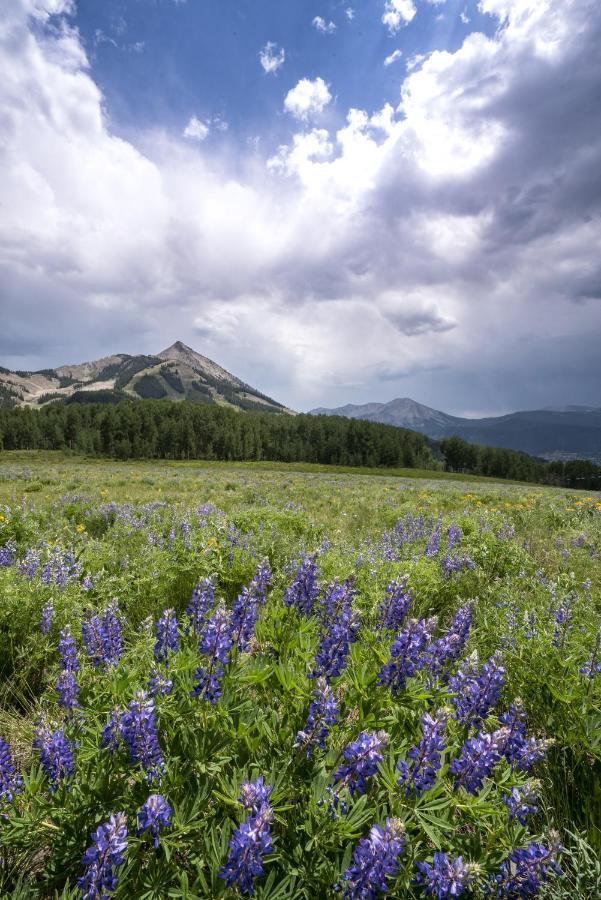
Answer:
(526, 869)
(154, 815)
(138, 729)
(332, 654)
(323, 713)
(454, 536)
(407, 654)
(215, 644)
(255, 794)
(92, 632)
(592, 667)
(451, 564)
(479, 755)
(105, 854)
(56, 755)
(477, 692)
(249, 843)
(433, 545)
(337, 599)
(30, 563)
(420, 774)
(67, 649)
(167, 632)
(395, 607)
(261, 581)
(159, 684)
(445, 877)
(111, 733)
(563, 616)
(446, 650)
(10, 782)
(8, 554)
(522, 752)
(362, 758)
(521, 803)
(201, 603)
(304, 590)
(245, 613)
(375, 861)
(113, 634)
(67, 689)
(47, 617)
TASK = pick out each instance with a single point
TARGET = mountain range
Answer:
(177, 373)
(567, 432)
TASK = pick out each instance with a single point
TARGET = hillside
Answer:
(176, 373)
(564, 433)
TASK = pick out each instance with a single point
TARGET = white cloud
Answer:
(322, 26)
(392, 58)
(398, 13)
(196, 129)
(271, 58)
(349, 13)
(307, 98)
(464, 17)
(476, 207)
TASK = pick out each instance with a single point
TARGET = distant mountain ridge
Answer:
(564, 433)
(176, 373)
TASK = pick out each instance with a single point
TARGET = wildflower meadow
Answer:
(230, 680)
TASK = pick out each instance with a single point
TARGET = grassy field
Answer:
(358, 566)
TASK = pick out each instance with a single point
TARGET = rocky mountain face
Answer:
(564, 433)
(176, 373)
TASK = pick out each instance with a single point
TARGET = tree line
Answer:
(157, 429)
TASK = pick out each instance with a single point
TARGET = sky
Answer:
(339, 202)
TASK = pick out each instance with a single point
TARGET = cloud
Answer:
(392, 58)
(456, 233)
(307, 98)
(271, 58)
(322, 26)
(398, 13)
(349, 13)
(196, 129)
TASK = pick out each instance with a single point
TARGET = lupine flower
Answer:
(138, 728)
(245, 613)
(407, 654)
(56, 755)
(433, 545)
(592, 667)
(8, 554)
(167, 640)
(337, 599)
(447, 649)
(159, 684)
(362, 758)
(479, 755)
(445, 877)
(304, 590)
(521, 752)
(375, 861)
(332, 654)
(68, 652)
(10, 782)
(523, 873)
(154, 815)
(521, 803)
(563, 615)
(30, 563)
(248, 845)
(47, 617)
(201, 603)
(105, 854)
(261, 581)
(111, 733)
(323, 713)
(420, 774)
(113, 634)
(394, 608)
(93, 636)
(255, 794)
(215, 644)
(454, 536)
(477, 691)
(451, 564)
(67, 690)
